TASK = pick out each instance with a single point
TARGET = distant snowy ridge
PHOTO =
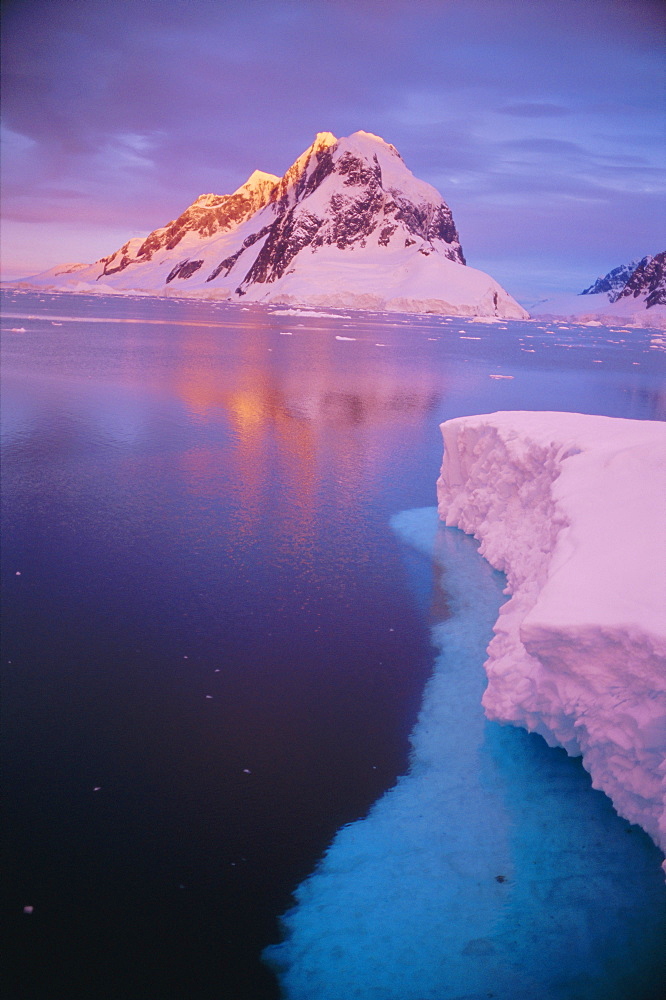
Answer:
(571, 507)
(634, 293)
(348, 225)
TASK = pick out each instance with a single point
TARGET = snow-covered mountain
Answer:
(348, 225)
(614, 281)
(634, 293)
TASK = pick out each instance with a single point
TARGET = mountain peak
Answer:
(348, 223)
(323, 139)
(370, 138)
(258, 178)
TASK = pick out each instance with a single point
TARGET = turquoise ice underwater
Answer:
(492, 868)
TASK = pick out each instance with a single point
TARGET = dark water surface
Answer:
(212, 656)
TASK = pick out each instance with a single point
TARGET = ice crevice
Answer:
(571, 508)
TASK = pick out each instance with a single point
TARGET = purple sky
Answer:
(540, 121)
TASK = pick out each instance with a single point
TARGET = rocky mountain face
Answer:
(641, 278)
(208, 215)
(614, 281)
(348, 224)
(649, 280)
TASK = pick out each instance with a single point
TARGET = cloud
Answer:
(121, 113)
(528, 109)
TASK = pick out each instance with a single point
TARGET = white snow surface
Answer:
(571, 507)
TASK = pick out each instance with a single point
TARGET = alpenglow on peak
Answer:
(347, 225)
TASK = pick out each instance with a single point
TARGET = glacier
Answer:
(571, 508)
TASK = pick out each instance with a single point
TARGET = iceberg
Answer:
(571, 508)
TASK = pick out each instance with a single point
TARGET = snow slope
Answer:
(571, 507)
(348, 225)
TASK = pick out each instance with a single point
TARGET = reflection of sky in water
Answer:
(195, 483)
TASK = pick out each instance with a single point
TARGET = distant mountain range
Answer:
(347, 226)
(644, 279)
(634, 292)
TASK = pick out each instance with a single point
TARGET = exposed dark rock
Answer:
(324, 167)
(615, 280)
(228, 262)
(385, 235)
(649, 279)
(121, 264)
(287, 236)
(185, 269)
(357, 171)
(430, 222)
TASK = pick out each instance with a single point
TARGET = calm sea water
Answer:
(214, 650)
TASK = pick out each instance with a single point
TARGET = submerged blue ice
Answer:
(491, 869)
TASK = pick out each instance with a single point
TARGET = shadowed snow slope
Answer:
(347, 226)
(571, 508)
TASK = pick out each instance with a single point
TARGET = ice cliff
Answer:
(571, 507)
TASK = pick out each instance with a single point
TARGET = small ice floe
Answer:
(186, 657)
(217, 670)
(597, 361)
(338, 337)
(380, 345)
(246, 770)
(18, 572)
(210, 697)
(501, 376)
(28, 909)
(97, 788)
(286, 333)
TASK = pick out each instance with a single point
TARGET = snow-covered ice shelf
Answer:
(571, 508)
